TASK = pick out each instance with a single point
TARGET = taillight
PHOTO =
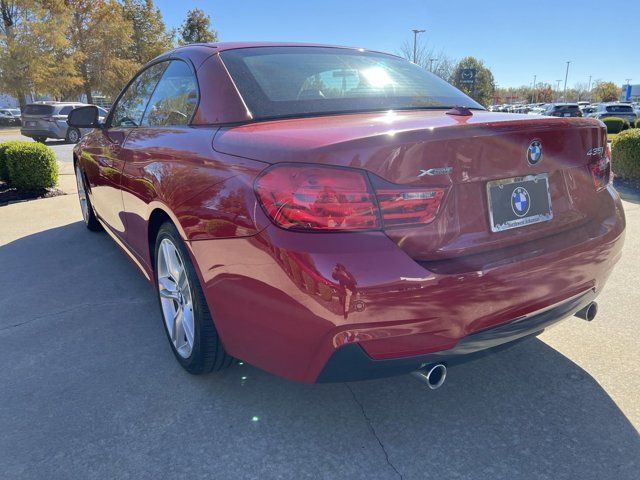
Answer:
(402, 205)
(305, 197)
(323, 198)
(601, 170)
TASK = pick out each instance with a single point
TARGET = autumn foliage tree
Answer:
(34, 49)
(65, 48)
(605, 91)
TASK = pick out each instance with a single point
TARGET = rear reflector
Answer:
(321, 198)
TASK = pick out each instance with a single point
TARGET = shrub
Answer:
(31, 165)
(626, 125)
(614, 124)
(4, 172)
(625, 154)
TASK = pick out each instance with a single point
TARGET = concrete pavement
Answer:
(90, 389)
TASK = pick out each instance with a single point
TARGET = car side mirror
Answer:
(84, 117)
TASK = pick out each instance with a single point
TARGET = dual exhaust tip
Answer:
(434, 375)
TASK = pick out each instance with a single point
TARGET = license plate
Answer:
(566, 115)
(516, 202)
(31, 124)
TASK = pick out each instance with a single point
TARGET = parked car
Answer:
(615, 109)
(563, 110)
(10, 117)
(41, 121)
(332, 214)
(588, 110)
(537, 111)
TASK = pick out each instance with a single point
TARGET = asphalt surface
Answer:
(90, 389)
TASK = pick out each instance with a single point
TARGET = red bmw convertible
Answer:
(335, 214)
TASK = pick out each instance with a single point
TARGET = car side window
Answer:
(174, 99)
(131, 105)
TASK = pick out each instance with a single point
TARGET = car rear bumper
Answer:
(303, 305)
(40, 132)
(351, 362)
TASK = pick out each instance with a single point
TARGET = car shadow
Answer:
(90, 386)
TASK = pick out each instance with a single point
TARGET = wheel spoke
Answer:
(168, 288)
(187, 322)
(177, 335)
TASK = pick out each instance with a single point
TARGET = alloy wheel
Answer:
(175, 297)
(73, 136)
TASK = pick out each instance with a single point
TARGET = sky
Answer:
(515, 39)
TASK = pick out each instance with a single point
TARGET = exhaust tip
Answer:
(589, 312)
(433, 375)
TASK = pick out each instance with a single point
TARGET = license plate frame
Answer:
(497, 190)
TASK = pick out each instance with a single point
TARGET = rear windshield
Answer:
(566, 108)
(38, 110)
(294, 81)
(619, 109)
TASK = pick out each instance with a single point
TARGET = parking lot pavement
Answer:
(90, 388)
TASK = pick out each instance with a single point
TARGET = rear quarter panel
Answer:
(207, 195)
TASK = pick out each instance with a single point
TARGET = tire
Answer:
(88, 215)
(40, 139)
(73, 135)
(206, 352)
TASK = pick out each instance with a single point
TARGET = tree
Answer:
(33, 49)
(483, 88)
(149, 36)
(544, 93)
(605, 91)
(197, 28)
(99, 35)
(436, 62)
(581, 91)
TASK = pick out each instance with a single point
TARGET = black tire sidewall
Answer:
(91, 222)
(170, 232)
(72, 129)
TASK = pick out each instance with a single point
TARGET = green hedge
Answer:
(625, 154)
(4, 172)
(614, 124)
(30, 165)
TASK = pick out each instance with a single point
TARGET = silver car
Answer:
(41, 121)
(615, 109)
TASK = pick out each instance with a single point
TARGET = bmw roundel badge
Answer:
(520, 201)
(534, 152)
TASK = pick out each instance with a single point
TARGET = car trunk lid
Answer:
(432, 149)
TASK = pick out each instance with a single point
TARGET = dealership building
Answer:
(630, 93)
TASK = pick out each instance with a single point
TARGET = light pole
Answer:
(534, 88)
(558, 90)
(431, 64)
(566, 75)
(415, 42)
(589, 88)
